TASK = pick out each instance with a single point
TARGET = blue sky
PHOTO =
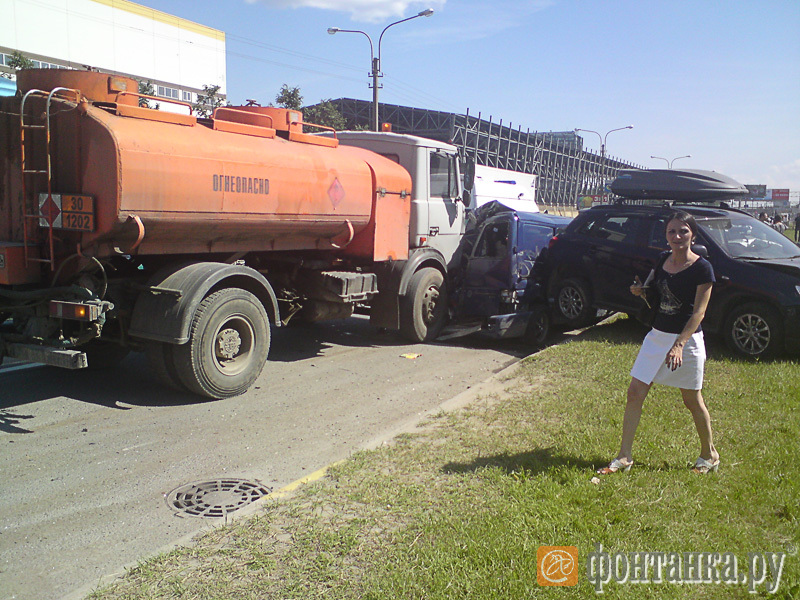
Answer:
(719, 80)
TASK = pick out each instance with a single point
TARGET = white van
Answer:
(513, 189)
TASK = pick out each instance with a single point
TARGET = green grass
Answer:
(459, 509)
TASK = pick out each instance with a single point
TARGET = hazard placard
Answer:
(66, 211)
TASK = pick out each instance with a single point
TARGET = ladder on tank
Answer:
(48, 172)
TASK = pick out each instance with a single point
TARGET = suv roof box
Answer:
(689, 185)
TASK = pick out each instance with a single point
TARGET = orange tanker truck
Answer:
(126, 228)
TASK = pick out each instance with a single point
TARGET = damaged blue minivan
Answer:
(494, 290)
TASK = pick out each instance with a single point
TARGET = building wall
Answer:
(116, 36)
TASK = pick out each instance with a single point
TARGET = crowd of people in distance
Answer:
(777, 223)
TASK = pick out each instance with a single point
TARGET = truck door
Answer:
(445, 208)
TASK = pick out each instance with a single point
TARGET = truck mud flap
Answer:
(54, 357)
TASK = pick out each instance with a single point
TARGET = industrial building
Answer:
(120, 37)
(567, 174)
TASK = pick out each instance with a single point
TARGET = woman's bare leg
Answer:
(637, 392)
(693, 400)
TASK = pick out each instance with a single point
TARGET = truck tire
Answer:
(574, 302)
(423, 308)
(228, 345)
(161, 357)
(753, 330)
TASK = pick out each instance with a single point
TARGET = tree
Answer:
(17, 61)
(289, 98)
(207, 101)
(147, 88)
(324, 113)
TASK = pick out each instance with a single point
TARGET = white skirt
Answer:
(651, 366)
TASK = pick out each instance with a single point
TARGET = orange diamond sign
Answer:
(336, 193)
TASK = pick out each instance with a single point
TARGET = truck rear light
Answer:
(74, 310)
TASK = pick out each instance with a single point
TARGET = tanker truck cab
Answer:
(413, 294)
(437, 209)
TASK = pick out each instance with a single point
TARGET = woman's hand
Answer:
(675, 356)
(637, 289)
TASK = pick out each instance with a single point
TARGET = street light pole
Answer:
(603, 147)
(669, 162)
(375, 61)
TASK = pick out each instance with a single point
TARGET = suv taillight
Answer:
(552, 241)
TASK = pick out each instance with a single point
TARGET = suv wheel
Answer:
(574, 302)
(753, 330)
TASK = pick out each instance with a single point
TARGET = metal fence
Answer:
(565, 171)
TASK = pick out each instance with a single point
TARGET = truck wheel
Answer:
(574, 302)
(754, 330)
(228, 345)
(424, 307)
(162, 361)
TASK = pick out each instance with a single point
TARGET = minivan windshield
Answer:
(742, 236)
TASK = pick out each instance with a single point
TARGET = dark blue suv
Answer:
(755, 304)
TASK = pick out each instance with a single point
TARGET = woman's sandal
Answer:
(703, 466)
(615, 466)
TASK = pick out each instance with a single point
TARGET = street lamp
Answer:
(603, 147)
(603, 138)
(375, 61)
(669, 162)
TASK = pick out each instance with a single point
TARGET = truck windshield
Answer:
(741, 236)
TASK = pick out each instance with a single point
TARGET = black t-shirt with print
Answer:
(677, 293)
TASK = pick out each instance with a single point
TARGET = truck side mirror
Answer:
(466, 198)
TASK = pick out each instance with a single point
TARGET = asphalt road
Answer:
(88, 458)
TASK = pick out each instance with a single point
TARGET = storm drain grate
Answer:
(216, 498)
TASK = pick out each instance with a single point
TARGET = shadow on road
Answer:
(129, 383)
(132, 383)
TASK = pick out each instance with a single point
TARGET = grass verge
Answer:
(459, 509)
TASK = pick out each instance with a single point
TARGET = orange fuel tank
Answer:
(248, 180)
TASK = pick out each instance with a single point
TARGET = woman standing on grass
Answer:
(673, 353)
